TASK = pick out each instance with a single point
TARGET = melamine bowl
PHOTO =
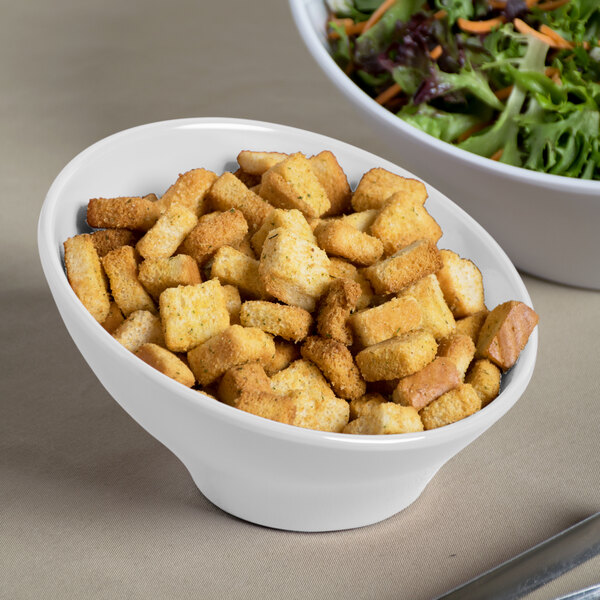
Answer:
(259, 470)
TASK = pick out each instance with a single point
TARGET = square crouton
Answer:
(189, 190)
(192, 314)
(233, 302)
(437, 317)
(460, 349)
(377, 185)
(234, 346)
(233, 267)
(361, 406)
(397, 316)
(141, 327)
(472, 324)
(113, 319)
(336, 363)
(424, 386)
(341, 239)
(399, 356)
(250, 180)
(285, 354)
(331, 414)
(386, 418)
(288, 219)
(361, 220)
(250, 377)
(404, 267)
(256, 163)
(333, 179)
(335, 308)
(301, 375)
(505, 333)
(269, 406)
(450, 407)
(461, 283)
(245, 246)
(158, 274)
(125, 212)
(289, 322)
(293, 184)
(167, 363)
(485, 378)
(121, 267)
(340, 269)
(107, 240)
(293, 270)
(84, 272)
(402, 221)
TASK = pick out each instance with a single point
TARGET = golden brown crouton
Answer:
(405, 267)
(301, 375)
(362, 220)
(361, 406)
(333, 179)
(341, 239)
(285, 353)
(402, 221)
(288, 219)
(140, 327)
(340, 269)
(113, 319)
(472, 324)
(269, 406)
(461, 283)
(505, 333)
(399, 356)
(485, 377)
(190, 191)
(106, 240)
(289, 322)
(158, 274)
(233, 267)
(460, 349)
(250, 377)
(377, 185)
(213, 231)
(122, 213)
(167, 363)
(121, 267)
(234, 346)
(250, 180)
(397, 316)
(256, 163)
(233, 302)
(293, 270)
(424, 386)
(450, 407)
(335, 308)
(245, 246)
(192, 314)
(386, 418)
(331, 414)
(85, 275)
(293, 184)
(337, 364)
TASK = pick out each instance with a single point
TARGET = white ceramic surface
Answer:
(259, 470)
(547, 224)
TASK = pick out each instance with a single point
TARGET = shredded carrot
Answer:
(479, 26)
(350, 26)
(558, 39)
(436, 52)
(523, 28)
(388, 94)
(381, 10)
(504, 93)
(497, 155)
(440, 14)
(471, 131)
(497, 4)
(550, 71)
(552, 4)
(531, 3)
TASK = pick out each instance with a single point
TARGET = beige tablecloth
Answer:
(90, 505)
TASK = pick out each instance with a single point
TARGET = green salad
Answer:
(514, 80)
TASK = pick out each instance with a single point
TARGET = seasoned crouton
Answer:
(256, 163)
(341, 239)
(250, 180)
(361, 220)
(124, 212)
(158, 274)
(361, 406)
(399, 356)
(377, 185)
(189, 190)
(301, 375)
(232, 267)
(505, 333)
(485, 377)
(404, 267)
(268, 406)
(460, 349)
(113, 319)
(337, 364)
(233, 302)
(285, 353)
(386, 418)
(288, 219)
(331, 414)
(424, 386)
(450, 407)
(335, 308)
(250, 377)
(234, 346)
(293, 184)
(245, 246)
(289, 322)
(140, 327)
(121, 267)
(293, 270)
(192, 314)
(167, 363)
(340, 269)
(84, 272)
(333, 179)
(471, 325)
(106, 240)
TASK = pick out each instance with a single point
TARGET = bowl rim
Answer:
(324, 59)
(59, 286)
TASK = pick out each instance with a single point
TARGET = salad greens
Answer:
(513, 80)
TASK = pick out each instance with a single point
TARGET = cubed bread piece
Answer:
(192, 314)
(461, 283)
(140, 327)
(377, 185)
(125, 212)
(361, 406)
(269, 406)
(472, 325)
(331, 414)
(337, 364)
(485, 378)
(341, 239)
(167, 363)
(234, 346)
(250, 180)
(397, 316)
(121, 267)
(362, 220)
(386, 418)
(404, 267)
(460, 349)
(333, 179)
(340, 269)
(250, 377)
(424, 386)
(293, 270)
(245, 247)
(289, 322)
(233, 302)
(301, 375)
(233, 267)
(505, 333)
(214, 230)
(256, 163)
(189, 190)
(450, 407)
(113, 319)
(293, 184)
(158, 274)
(285, 353)
(402, 221)
(437, 317)
(335, 308)
(288, 219)
(399, 356)
(229, 192)
(84, 272)
(106, 240)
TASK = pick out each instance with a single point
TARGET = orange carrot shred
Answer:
(504, 93)
(440, 14)
(471, 131)
(479, 26)
(523, 28)
(497, 4)
(388, 94)
(381, 10)
(436, 52)
(497, 155)
(558, 39)
(552, 4)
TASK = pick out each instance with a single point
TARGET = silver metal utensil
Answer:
(588, 593)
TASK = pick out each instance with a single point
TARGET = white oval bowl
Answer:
(259, 470)
(547, 224)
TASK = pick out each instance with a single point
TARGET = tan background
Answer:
(90, 505)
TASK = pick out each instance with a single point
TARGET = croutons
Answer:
(289, 322)
(339, 268)
(333, 179)
(158, 274)
(113, 319)
(250, 377)
(192, 314)
(285, 354)
(233, 303)
(190, 191)
(386, 418)
(485, 377)
(166, 362)
(471, 325)
(450, 407)
(140, 327)
(341, 239)
(124, 212)
(250, 180)
(460, 349)
(256, 163)
(106, 240)
(301, 375)
(361, 406)
(288, 219)
(362, 220)
(232, 267)
(335, 308)
(269, 406)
